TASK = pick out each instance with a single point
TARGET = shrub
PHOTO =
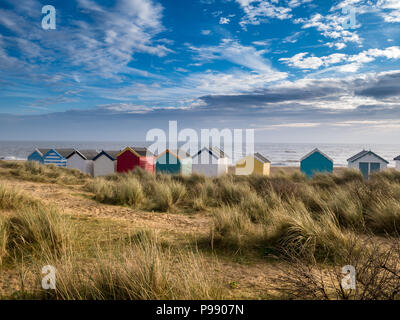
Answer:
(377, 274)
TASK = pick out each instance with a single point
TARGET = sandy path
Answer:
(72, 200)
(242, 280)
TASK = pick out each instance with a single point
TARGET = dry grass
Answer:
(31, 228)
(315, 225)
(36, 172)
(143, 270)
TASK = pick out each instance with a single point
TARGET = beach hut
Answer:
(57, 157)
(367, 162)
(174, 162)
(316, 162)
(132, 157)
(210, 161)
(105, 163)
(253, 164)
(37, 155)
(397, 160)
(82, 160)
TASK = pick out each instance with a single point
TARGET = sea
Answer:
(280, 154)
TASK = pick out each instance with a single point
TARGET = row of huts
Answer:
(209, 161)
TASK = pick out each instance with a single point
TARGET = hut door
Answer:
(364, 167)
(375, 166)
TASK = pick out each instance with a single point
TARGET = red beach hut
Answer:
(132, 157)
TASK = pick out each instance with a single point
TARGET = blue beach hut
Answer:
(316, 162)
(57, 157)
(37, 155)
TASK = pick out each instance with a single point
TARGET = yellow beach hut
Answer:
(253, 164)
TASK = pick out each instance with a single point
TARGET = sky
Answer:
(292, 70)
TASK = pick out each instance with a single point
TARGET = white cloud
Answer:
(105, 46)
(127, 108)
(330, 26)
(297, 3)
(234, 52)
(297, 125)
(301, 61)
(390, 10)
(224, 20)
(205, 32)
(304, 61)
(292, 38)
(257, 11)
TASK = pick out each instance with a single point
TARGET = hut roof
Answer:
(314, 151)
(180, 154)
(64, 152)
(112, 155)
(261, 158)
(41, 151)
(141, 151)
(85, 154)
(363, 154)
(214, 151)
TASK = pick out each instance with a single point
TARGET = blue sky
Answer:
(291, 69)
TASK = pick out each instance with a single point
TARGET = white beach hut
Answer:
(397, 160)
(105, 163)
(82, 160)
(211, 162)
(367, 162)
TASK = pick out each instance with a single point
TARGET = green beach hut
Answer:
(316, 162)
(174, 162)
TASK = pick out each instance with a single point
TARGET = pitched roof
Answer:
(397, 158)
(64, 152)
(261, 158)
(214, 151)
(218, 152)
(314, 151)
(180, 154)
(141, 151)
(357, 156)
(41, 151)
(85, 154)
(363, 154)
(112, 155)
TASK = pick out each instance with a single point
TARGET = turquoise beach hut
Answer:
(316, 162)
(57, 157)
(37, 155)
(174, 162)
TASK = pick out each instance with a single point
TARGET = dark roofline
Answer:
(397, 158)
(316, 150)
(106, 154)
(85, 154)
(78, 153)
(259, 157)
(356, 156)
(363, 154)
